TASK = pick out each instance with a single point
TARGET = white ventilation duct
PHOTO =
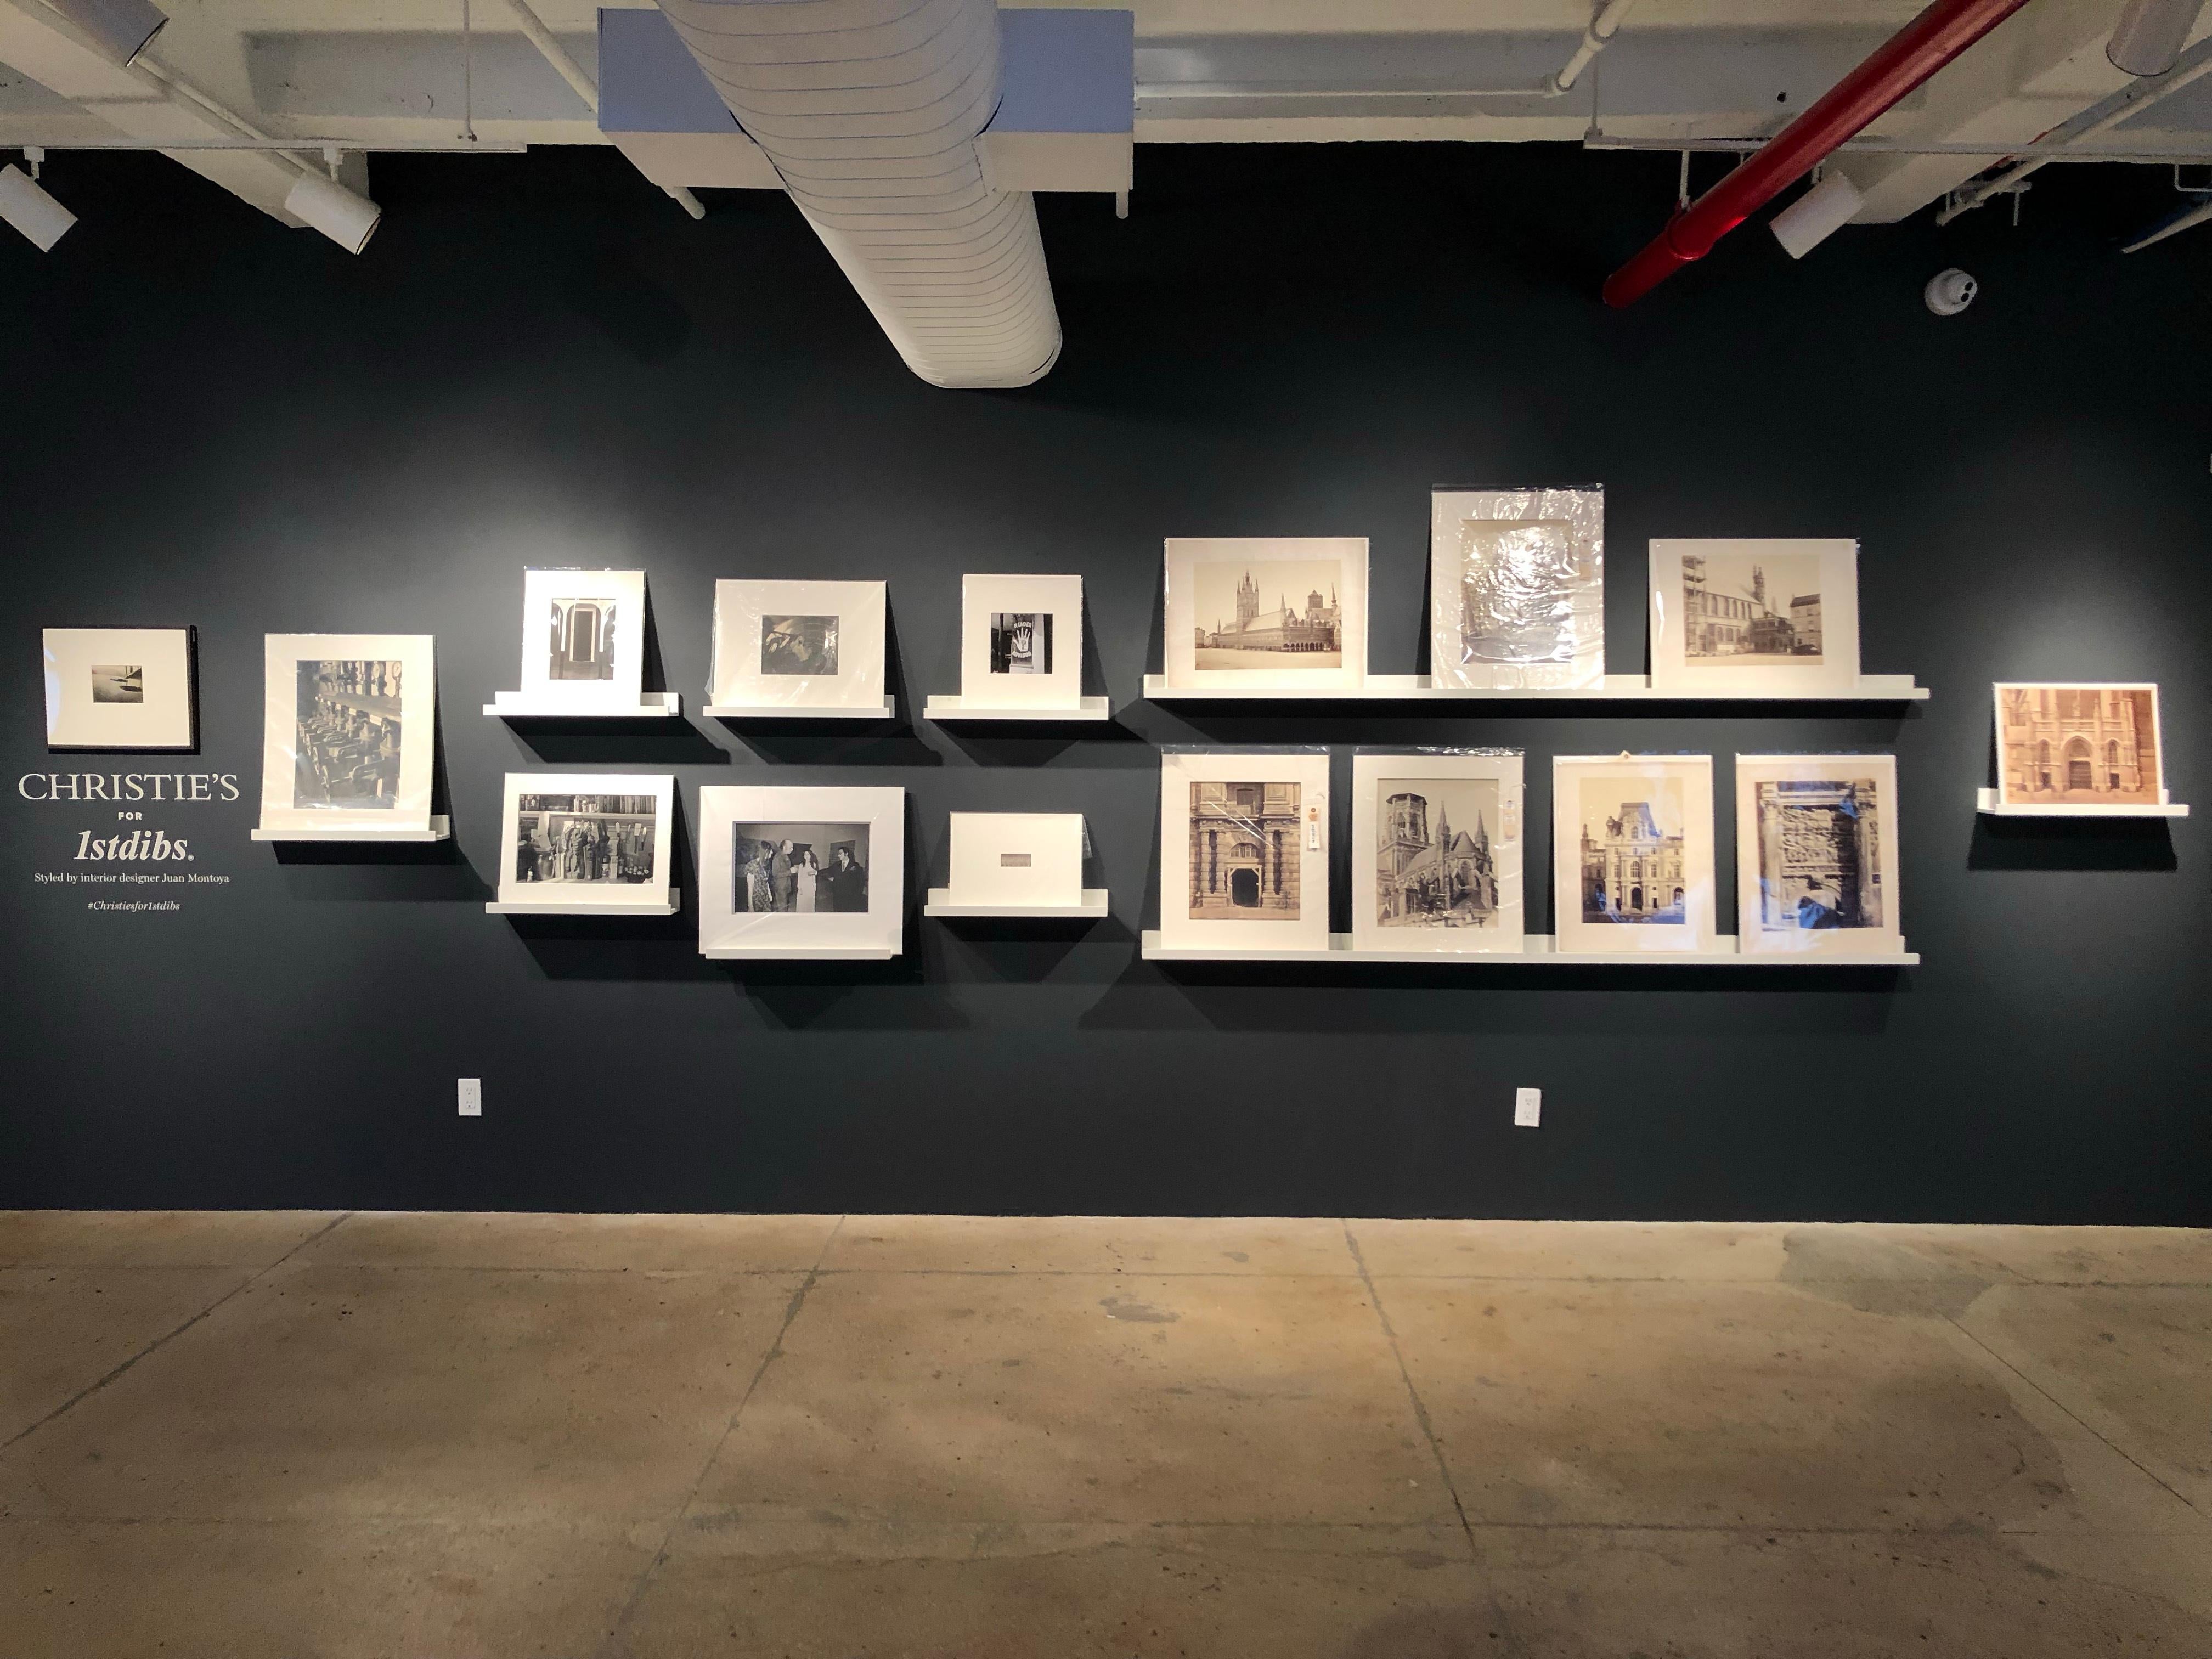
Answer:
(870, 110)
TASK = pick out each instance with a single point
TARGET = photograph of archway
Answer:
(1244, 852)
(2078, 745)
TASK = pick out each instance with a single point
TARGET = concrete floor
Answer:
(317, 1435)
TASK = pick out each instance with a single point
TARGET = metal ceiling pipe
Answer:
(1901, 64)
(871, 111)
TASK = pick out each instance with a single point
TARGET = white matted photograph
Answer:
(1245, 849)
(799, 645)
(121, 688)
(588, 840)
(801, 871)
(349, 733)
(1262, 612)
(2077, 746)
(1021, 641)
(1015, 859)
(583, 640)
(1757, 616)
(1437, 851)
(1517, 588)
(1632, 852)
(1816, 854)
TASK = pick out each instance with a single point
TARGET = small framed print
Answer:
(1245, 849)
(1437, 851)
(1632, 852)
(1021, 641)
(348, 733)
(2079, 747)
(583, 640)
(1517, 588)
(1759, 617)
(799, 645)
(1014, 859)
(1262, 613)
(121, 688)
(581, 842)
(800, 871)
(1816, 854)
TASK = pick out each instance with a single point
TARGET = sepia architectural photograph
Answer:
(1244, 852)
(585, 839)
(347, 735)
(1819, 853)
(2087, 745)
(1750, 611)
(582, 645)
(1632, 868)
(1434, 864)
(1259, 617)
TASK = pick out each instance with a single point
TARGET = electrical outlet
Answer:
(1528, 1107)
(471, 1097)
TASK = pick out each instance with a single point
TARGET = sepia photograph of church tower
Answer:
(1428, 874)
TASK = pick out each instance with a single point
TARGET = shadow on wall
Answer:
(2071, 844)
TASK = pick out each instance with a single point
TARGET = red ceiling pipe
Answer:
(1907, 59)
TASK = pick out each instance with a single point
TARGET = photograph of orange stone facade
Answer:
(1244, 852)
(2087, 746)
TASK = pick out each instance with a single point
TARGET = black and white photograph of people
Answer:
(585, 838)
(800, 869)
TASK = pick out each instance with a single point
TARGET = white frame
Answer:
(876, 933)
(2003, 799)
(742, 604)
(1309, 770)
(1058, 597)
(1697, 931)
(167, 718)
(1837, 668)
(1582, 508)
(658, 896)
(623, 694)
(1370, 772)
(976, 875)
(1180, 654)
(1753, 936)
(409, 817)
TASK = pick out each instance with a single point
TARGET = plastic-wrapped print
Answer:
(1517, 588)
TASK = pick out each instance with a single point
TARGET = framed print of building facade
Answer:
(797, 646)
(1021, 642)
(1632, 852)
(349, 735)
(581, 843)
(1437, 851)
(121, 688)
(1816, 854)
(2078, 748)
(583, 645)
(798, 870)
(1517, 588)
(1245, 849)
(1266, 613)
(1759, 617)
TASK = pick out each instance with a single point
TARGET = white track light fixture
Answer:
(31, 210)
(2151, 34)
(1817, 214)
(328, 206)
(122, 28)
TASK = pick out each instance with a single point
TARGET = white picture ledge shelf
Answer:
(1616, 688)
(1537, 952)
(779, 711)
(516, 705)
(800, 953)
(442, 829)
(583, 907)
(957, 708)
(943, 902)
(1985, 800)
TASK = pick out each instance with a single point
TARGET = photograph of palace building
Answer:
(2079, 744)
(1631, 850)
(1244, 852)
(1272, 628)
(1429, 874)
(1820, 854)
(1740, 610)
